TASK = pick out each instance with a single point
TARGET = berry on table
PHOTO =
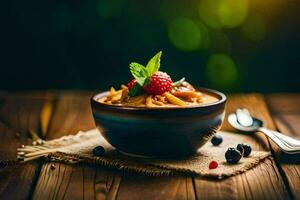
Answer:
(98, 151)
(160, 83)
(217, 140)
(213, 165)
(232, 155)
(245, 149)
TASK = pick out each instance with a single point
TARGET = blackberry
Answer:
(217, 140)
(232, 155)
(244, 149)
(98, 151)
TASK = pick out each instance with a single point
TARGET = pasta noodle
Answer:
(183, 95)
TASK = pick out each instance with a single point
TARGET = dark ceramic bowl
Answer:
(159, 132)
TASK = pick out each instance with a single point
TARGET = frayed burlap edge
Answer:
(146, 169)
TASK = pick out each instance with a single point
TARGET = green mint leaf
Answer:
(139, 72)
(147, 81)
(136, 88)
(154, 63)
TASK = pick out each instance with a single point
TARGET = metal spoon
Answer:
(245, 119)
(257, 125)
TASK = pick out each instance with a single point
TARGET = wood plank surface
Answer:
(137, 186)
(286, 114)
(19, 113)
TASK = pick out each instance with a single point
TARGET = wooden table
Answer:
(277, 177)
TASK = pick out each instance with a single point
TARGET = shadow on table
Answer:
(290, 158)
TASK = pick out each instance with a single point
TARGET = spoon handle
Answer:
(288, 140)
(283, 146)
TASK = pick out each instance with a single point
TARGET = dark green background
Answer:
(89, 44)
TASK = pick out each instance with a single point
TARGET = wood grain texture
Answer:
(284, 103)
(262, 182)
(137, 186)
(18, 113)
(107, 184)
(286, 114)
(73, 113)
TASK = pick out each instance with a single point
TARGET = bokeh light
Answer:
(109, 8)
(232, 13)
(221, 71)
(80, 39)
(254, 28)
(184, 34)
(223, 13)
(208, 13)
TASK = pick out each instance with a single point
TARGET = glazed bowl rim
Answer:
(221, 96)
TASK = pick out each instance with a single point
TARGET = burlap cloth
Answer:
(78, 149)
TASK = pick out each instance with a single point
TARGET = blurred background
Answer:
(231, 45)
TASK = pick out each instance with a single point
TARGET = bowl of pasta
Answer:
(152, 116)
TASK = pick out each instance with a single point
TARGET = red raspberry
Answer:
(213, 165)
(160, 83)
(131, 84)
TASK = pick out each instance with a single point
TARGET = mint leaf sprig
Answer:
(143, 74)
(154, 64)
(139, 72)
